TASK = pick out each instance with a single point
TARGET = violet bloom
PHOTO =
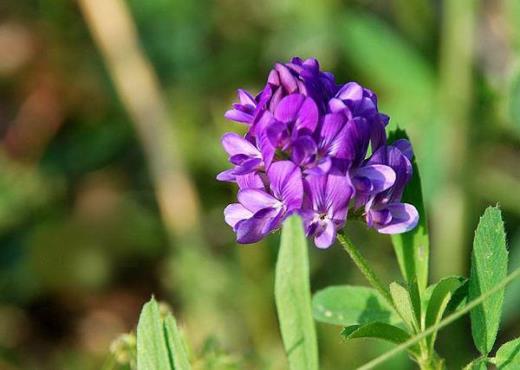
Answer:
(242, 153)
(305, 152)
(260, 212)
(356, 101)
(384, 211)
(325, 208)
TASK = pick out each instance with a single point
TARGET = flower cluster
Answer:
(306, 152)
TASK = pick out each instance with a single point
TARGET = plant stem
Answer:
(448, 320)
(363, 266)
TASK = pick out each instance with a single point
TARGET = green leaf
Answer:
(508, 356)
(488, 268)
(351, 305)
(152, 351)
(438, 302)
(176, 344)
(293, 298)
(413, 247)
(403, 304)
(378, 330)
(477, 364)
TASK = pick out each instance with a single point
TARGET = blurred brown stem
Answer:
(138, 88)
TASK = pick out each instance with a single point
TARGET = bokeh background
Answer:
(110, 117)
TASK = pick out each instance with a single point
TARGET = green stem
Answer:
(448, 320)
(363, 266)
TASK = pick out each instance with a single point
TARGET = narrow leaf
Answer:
(176, 345)
(508, 356)
(293, 298)
(347, 305)
(412, 248)
(378, 330)
(440, 297)
(152, 352)
(488, 268)
(403, 305)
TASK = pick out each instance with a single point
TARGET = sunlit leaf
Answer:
(293, 298)
(508, 356)
(438, 302)
(403, 304)
(378, 330)
(488, 268)
(176, 344)
(152, 351)
(347, 305)
(412, 248)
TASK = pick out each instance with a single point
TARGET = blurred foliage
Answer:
(82, 241)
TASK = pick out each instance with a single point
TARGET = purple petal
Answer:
(303, 150)
(404, 218)
(326, 236)
(357, 137)
(236, 212)
(235, 144)
(381, 177)
(288, 108)
(246, 98)
(350, 91)
(250, 181)
(337, 105)
(308, 116)
(337, 194)
(238, 116)
(405, 147)
(255, 200)
(248, 166)
(287, 80)
(286, 183)
(227, 175)
(257, 227)
(276, 133)
(330, 139)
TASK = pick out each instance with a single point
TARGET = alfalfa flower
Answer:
(306, 152)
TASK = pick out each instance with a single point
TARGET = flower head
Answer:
(306, 152)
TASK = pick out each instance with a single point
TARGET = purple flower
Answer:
(326, 206)
(384, 211)
(306, 151)
(353, 100)
(259, 212)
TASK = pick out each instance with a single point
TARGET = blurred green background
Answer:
(108, 190)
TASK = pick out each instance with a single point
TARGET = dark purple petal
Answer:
(332, 138)
(257, 227)
(289, 107)
(303, 150)
(286, 183)
(307, 116)
(248, 166)
(405, 147)
(338, 193)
